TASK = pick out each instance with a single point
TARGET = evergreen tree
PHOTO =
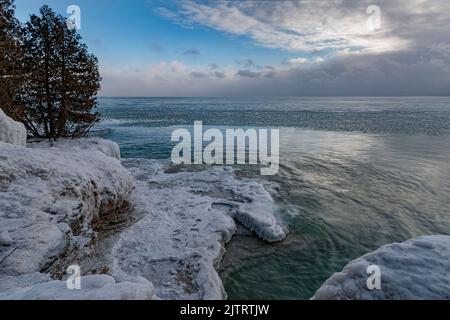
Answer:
(12, 71)
(63, 78)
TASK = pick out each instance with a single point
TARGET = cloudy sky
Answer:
(233, 48)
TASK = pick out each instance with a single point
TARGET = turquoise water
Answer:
(355, 174)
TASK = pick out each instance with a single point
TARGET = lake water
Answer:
(355, 174)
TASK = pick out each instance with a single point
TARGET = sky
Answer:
(256, 48)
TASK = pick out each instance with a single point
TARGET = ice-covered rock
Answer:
(52, 203)
(184, 218)
(95, 287)
(256, 212)
(415, 269)
(11, 131)
(55, 197)
(5, 239)
(107, 147)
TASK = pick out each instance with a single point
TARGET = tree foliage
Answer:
(56, 78)
(12, 71)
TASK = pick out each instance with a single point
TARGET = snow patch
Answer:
(415, 269)
(11, 131)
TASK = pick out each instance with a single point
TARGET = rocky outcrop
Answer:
(58, 199)
(417, 269)
(54, 203)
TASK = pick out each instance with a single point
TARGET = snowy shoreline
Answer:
(146, 229)
(153, 229)
(184, 218)
(179, 222)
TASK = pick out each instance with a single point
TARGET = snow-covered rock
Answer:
(11, 131)
(184, 219)
(5, 239)
(95, 287)
(107, 147)
(169, 224)
(52, 203)
(416, 269)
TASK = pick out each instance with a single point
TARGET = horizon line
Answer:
(281, 96)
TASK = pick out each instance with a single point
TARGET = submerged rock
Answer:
(415, 269)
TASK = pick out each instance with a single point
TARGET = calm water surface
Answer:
(355, 174)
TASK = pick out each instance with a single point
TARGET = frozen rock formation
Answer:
(107, 147)
(5, 239)
(415, 269)
(160, 234)
(53, 203)
(95, 287)
(11, 131)
(184, 218)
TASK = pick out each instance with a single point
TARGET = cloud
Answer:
(219, 75)
(191, 52)
(333, 51)
(248, 63)
(300, 25)
(248, 74)
(422, 72)
(304, 61)
(297, 61)
(196, 74)
(165, 78)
